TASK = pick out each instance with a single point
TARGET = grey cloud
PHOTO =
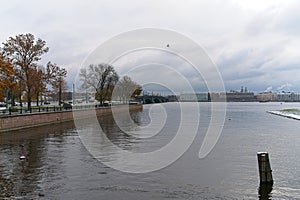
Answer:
(246, 45)
(288, 21)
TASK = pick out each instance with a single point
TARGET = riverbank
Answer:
(289, 113)
(16, 122)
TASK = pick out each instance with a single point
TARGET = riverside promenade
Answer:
(28, 120)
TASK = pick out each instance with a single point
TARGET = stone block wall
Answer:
(37, 119)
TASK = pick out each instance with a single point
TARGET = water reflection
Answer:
(47, 149)
(265, 191)
(20, 178)
(112, 131)
(60, 167)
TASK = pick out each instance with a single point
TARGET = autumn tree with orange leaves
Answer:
(20, 72)
(25, 51)
(7, 78)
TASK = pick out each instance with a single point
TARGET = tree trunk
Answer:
(13, 102)
(29, 98)
(37, 98)
(12, 98)
(20, 94)
(20, 99)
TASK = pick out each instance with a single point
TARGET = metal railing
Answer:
(46, 109)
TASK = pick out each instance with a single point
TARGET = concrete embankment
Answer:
(284, 114)
(15, 122)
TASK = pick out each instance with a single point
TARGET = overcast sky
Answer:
(254, 43)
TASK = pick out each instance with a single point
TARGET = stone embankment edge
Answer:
(282, 114)
(17, 122)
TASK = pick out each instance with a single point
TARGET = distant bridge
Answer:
(147, 99)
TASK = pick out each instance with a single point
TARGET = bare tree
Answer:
(39, 84)
(100, 79)
(25, 51)
(56, 75)
(126, 89)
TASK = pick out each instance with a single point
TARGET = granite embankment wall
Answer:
(15, 122)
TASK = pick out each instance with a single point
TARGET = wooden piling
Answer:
(264, 167)
(264, 191)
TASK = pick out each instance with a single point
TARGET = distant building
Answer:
(288, 97)
(172, 98)
(266, 96)
(242, 96)
(217, 97)
(193, 97)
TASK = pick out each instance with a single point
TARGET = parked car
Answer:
(107, 103)
(2, 106)
(17, 104)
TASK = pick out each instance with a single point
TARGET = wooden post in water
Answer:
(264, 167)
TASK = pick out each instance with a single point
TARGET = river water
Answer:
(58, 166)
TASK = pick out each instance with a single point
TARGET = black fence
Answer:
(45, 109)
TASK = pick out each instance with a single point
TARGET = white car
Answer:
(17, 104)
(2, 107)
